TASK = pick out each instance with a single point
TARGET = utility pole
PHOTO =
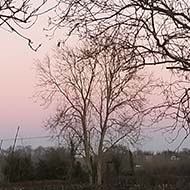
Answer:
(12, 164)
(15, 139)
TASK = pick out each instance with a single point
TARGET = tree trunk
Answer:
(90, 179)
(131, 162)
(90, 170)
(99, 171)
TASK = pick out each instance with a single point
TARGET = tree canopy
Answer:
(154, 31)
(100, 101)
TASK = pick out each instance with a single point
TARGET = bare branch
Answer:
(17, 16)
(152, 31)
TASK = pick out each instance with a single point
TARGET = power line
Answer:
(27, 138)
(22, 139)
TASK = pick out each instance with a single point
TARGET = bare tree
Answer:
(155, 31)
(17, 16)
(100, 101)
(173, 112)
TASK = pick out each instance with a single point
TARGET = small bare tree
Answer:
(99, 101)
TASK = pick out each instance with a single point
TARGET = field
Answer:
(61, 185)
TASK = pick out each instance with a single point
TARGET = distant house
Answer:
(174, 158)
(138, 166)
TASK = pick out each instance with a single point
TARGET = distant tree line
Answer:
(27, 164)
(119, 164)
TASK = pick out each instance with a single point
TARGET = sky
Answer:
(17, 83)
(17, 86)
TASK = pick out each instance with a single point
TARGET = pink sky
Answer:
(17, 85)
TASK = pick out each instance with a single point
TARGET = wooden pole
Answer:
(15, 139)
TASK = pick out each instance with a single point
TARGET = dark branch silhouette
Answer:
(17, 16)
(154, 31)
